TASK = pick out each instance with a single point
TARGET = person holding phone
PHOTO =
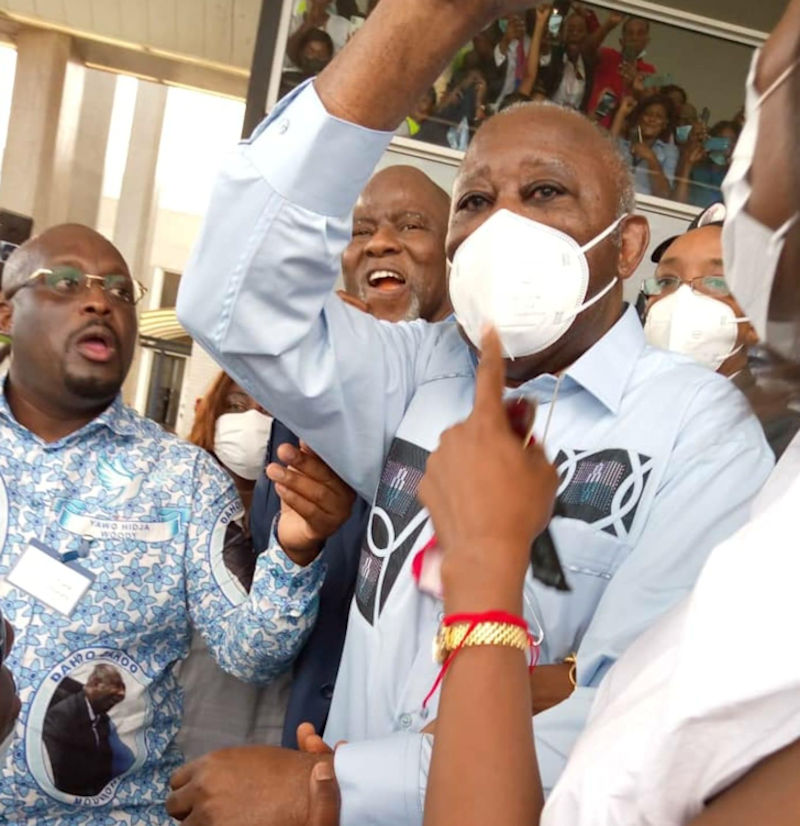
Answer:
(704, 162)
(649, 143)
(620, 72)
(564, 72)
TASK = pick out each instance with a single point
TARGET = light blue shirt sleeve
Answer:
(253, 636)
(257, 293)
(383, 782)
(718, 464)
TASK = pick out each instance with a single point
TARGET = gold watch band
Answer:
(449, 638)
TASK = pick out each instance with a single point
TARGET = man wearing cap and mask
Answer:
(688, 308)
(659, 458)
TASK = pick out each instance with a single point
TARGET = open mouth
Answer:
(386, 280)
(97, 344)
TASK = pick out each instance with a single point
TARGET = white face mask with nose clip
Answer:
(695, 325)
(526, 279)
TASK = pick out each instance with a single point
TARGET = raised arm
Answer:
(532, 71)
(595, 40)
(773, 200)
(258, 290)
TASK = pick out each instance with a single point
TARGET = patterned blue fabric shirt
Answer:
(148, 516)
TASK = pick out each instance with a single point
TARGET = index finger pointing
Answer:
(491, 375)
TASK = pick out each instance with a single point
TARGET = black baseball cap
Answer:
(712, 216)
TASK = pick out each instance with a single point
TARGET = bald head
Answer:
(395, 261)
(61, 240)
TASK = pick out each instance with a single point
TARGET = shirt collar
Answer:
(118, 418)
(604, 370)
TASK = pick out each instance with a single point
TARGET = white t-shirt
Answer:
(706, 693)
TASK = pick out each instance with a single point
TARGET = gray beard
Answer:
(414, 305)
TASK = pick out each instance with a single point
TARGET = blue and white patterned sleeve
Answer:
(253, 636)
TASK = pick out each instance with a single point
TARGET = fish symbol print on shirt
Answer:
(602, 488)
(395, 523)
(116, 479)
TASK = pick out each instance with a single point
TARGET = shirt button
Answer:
(283, 126)
(327, 691)
(405, 720)
(440, 616)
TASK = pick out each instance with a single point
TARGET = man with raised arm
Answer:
(658, 457)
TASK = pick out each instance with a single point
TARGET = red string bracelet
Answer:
(474, 621)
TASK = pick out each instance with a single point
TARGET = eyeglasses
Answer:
(67, 282)
(714, 285)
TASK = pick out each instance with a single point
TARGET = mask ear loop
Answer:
(779, 81)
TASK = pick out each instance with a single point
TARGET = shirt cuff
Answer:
(287, 586)
(383, 781)
(312, 159)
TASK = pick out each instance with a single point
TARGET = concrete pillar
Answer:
(136, 211)
(86, 187)
(42, 126)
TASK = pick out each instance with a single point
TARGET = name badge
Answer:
(42, 573)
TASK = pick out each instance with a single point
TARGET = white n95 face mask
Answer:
(526, 279)
(751, 251)
(695, 325)
(240, 442)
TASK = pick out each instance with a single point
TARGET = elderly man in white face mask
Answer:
(659, 458)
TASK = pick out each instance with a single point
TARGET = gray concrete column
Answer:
(41, 130)
(86, 179)
(138, 201)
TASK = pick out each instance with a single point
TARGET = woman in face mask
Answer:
(234, 428)
(219, 710)
(688, 308)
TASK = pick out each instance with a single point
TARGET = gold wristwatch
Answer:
(449, 638)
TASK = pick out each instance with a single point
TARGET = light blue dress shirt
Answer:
(145, 515)
(659, 457)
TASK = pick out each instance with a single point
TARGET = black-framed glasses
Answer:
(68, 281)
(713, 285)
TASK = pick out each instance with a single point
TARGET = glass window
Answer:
(670, 96)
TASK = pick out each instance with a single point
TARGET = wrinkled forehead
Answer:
(542, 139)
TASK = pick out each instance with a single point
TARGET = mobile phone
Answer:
(554, 23)
(705, 115)
(717, 144)
(606, 105)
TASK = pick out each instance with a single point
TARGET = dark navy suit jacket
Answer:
(315, 669)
